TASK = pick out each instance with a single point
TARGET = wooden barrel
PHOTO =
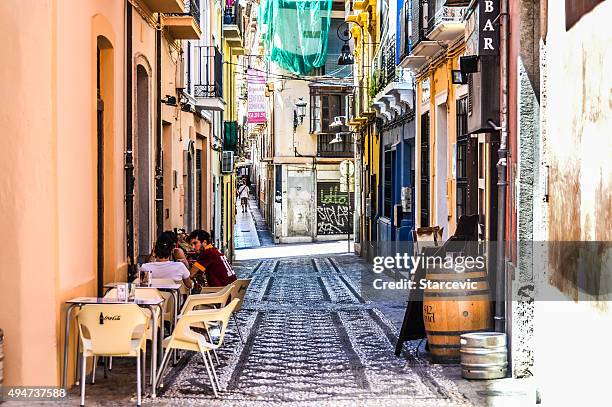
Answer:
(450, 310)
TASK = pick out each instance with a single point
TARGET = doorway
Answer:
(143, 164)
(100, 176)
(188, 182)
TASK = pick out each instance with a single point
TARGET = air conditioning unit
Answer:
(227, 162)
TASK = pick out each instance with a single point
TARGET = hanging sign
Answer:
(256, 102)
(488, 22)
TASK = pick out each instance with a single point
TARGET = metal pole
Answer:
(129, 156)
(500, 281)
(159, 180)
(348, 198)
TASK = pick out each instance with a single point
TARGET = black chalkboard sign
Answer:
(334, 209)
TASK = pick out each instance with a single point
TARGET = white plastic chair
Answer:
(186, 338)
(112, 330)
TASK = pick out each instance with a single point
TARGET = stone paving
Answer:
(245, 232)
(310, 340)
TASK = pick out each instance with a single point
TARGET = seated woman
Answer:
(163, 267)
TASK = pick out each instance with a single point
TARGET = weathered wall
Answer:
(576, 144)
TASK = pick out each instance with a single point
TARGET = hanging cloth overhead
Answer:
(295, 33)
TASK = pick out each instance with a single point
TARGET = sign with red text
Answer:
(256, 102)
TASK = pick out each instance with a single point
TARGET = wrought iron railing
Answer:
(439, 13)
(192, 9)
(232, 15)
(209, 72)
(418, 23)
(344, 148)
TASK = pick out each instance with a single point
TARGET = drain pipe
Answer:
(502, 184)
(159, 175)
(129, 156)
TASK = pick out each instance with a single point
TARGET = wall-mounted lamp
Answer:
(467, 65)
(338, 122)
(336, 139)
(459, 77)
(299, 113)
(169, 100)
(346, 56)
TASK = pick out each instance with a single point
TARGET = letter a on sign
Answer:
(488, 37)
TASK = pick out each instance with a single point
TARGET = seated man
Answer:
(210, 261)
(163, 267)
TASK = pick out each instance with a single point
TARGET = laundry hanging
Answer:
(295, 33)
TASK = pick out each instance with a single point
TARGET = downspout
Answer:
(502, 184)
(159, 175)
(129, 156)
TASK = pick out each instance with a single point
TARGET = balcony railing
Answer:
(445, 15)
(192, 8)
(342, 149)
(418, 23)
(208, 81)
(232, 15)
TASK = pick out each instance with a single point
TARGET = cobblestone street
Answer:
(311, 340)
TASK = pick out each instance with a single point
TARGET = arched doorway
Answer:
(143, 164)
(104, 161)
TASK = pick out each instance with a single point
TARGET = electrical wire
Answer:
(292, 77)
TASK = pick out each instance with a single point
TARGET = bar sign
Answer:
(488, 22)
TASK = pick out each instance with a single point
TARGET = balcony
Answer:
(447, 22)
(233, 27)
(165, 6)
(208, 79)
(394, 90)
(343, 149)
(185, 26)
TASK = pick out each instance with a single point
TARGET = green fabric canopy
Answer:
(295, 33)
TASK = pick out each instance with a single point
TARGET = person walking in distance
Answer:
(243, 193)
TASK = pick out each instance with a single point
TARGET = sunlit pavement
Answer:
(311, 339)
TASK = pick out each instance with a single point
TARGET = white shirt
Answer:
(243, 191)
(167, 269)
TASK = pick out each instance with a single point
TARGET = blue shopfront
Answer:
(396, 189)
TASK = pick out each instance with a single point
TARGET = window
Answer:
(323, 109)
(461, 157)
(425, 169)
(388, 184)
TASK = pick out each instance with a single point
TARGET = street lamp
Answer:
(346, 56)
(338, 122)
(336, 139)
(299, 112)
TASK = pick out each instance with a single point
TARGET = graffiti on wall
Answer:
(333, 214)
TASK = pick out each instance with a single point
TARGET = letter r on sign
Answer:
(488, 43)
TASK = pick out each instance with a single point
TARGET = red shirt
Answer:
(218, 271)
